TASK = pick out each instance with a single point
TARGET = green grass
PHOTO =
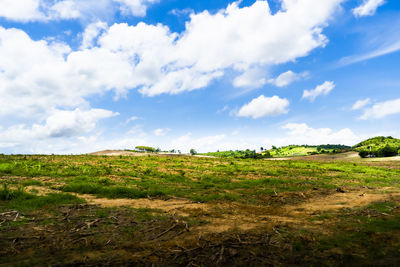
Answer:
(20, 200)
(199, 179)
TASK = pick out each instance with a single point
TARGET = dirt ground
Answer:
(224, 233)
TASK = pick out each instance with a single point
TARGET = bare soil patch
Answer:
(228, 216)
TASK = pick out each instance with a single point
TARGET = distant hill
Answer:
(304, 150)
(379, 146)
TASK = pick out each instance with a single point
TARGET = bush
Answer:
(363, 153)
(146, 149)
(387, 151)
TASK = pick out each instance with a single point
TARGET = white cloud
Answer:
(161, 131)
(387, 48)
(253, 77)
(21, 10)
(240, 38)
(36, 76)
(382, 109)
(222, 110)
(367, 8)
(86, 10)
(60, 124)
(181, 12)
(360, 104)
(301, 133)
(287, 78)
(264, 106)
(91, 32)
(133, 118)
(135, 7)
(322, 89)
(67, 9)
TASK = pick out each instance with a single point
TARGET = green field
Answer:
(183, 210)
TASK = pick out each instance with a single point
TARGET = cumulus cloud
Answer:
(87, 10)
(367, 8)
(322, 89)
(91, 32)
(360, 104)
(241, 38)
(301, 133)
(36, 75)
(21, 10)
(287, 78)
(264, 106)
(382, 109)
(40, 76)
(61, 123)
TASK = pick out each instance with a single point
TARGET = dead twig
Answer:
(166, 231)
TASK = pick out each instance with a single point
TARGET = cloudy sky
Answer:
(78, 76)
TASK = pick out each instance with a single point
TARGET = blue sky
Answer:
(80, 76)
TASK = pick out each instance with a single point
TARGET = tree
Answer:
(261, 148)
(193, 152)
(363, 153)
(387, 151)
(146, 148)
(273, 147)
(266, 154)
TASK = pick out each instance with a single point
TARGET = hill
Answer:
(304, 150)
(379, 146)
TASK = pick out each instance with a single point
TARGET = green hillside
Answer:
(240, 154)
(379, 146)
(304, 150)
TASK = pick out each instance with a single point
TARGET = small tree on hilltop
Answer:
(146, 149)
(193, 152)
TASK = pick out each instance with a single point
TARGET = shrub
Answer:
(363, 153)
(387, 151)
(146, 148)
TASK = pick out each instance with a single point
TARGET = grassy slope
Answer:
(304, 150)
(377, 142)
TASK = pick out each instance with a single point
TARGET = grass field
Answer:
(182, 210)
